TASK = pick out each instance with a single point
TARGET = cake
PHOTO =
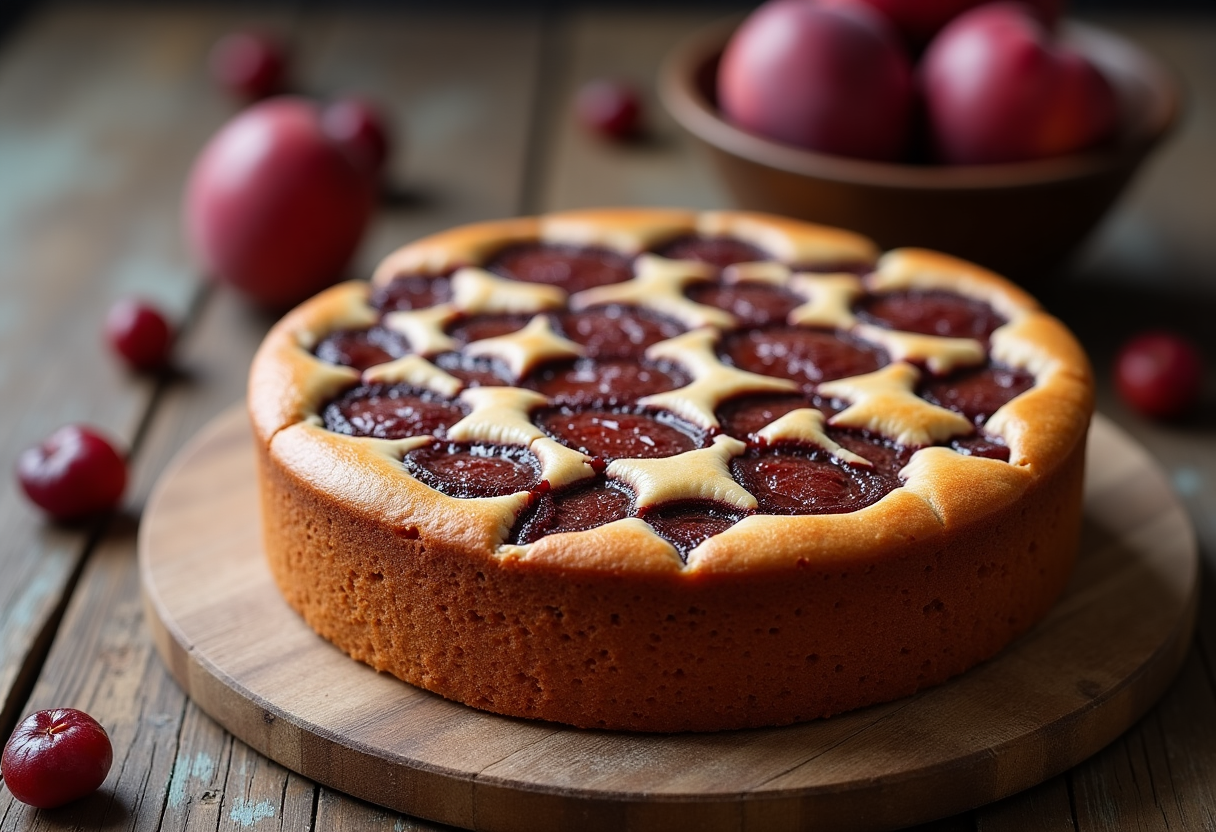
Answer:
(658, 470)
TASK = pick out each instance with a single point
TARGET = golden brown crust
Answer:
(776, 619)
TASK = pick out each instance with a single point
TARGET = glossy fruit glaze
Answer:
(597, 402)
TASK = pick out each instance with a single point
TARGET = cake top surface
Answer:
(665, 390)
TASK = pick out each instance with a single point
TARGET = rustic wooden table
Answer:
(101, 112)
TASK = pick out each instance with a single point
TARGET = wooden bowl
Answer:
(1018, 218)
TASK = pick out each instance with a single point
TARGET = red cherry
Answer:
(609, 108)
(55, 757)
(139, 333)
(1159, 373)
(75, 472)
(360, 129)
(250, 65)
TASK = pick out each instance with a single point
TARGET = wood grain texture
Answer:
(1099, 660)
(96, 134)
(661, 168)
(176, 769)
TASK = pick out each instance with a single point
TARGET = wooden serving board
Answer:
(1100, 659)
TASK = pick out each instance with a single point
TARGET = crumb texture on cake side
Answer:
(706, 601)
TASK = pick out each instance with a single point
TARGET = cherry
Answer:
(610, 108)
(1159, 374)
(139, 333)
(361, 130)
(250, 65)
(55, 757)
(75, 472)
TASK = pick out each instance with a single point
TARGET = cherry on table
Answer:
(359, 127)
(610, 108)
(250, 65)
(55, 757)
(138, 333)
(73, 473)
(1159, 374)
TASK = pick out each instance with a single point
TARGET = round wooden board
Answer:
(1101, 658)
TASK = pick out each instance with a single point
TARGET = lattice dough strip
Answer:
(703, 474)
(883, 402)
(829, 299)
(713, 382)
(939, 354)
(659, 286)
(415, 371)
(501, 416)
(424, 328)
(805, 425)
(763, 271)
(527, 348)
(479, 292)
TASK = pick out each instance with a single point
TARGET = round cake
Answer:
(663, 470)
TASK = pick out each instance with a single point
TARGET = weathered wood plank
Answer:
(1157, 775)
(188, 773)
(458, 90)
(96, 134)
(337, 812)
(1045, 808)
(662, 169)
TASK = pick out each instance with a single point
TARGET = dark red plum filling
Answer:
(474, 372)
(362, 348)
(977, 445)
(745, 416)
(412, 292)
(616, 331)
(620, 433)
(480, 327)
(575, 508)
(604, 383)
(794, 479)
(806, 356)
(931, 313)
(717, 251)
(573, 268)
(477, 470)
(689, 523)
(977, 394)
(392, 412)
(754, 304)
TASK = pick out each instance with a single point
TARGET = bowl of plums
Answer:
(1000, 132)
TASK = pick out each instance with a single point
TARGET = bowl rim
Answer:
(686, 103)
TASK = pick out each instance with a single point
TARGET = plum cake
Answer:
(662, 470)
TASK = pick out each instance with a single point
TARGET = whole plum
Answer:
(831, 78)
(274, 205)
(998, 88)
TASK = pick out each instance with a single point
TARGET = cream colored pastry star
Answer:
(765, 271)
(703, 474)
(424, 328)
(525, 349)
(659, 286)
(500, 416)
(479, 292)
(829, 300)
(883, 402)
(713, 382)
(939, 354)
(805, 426)
(415, 371)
